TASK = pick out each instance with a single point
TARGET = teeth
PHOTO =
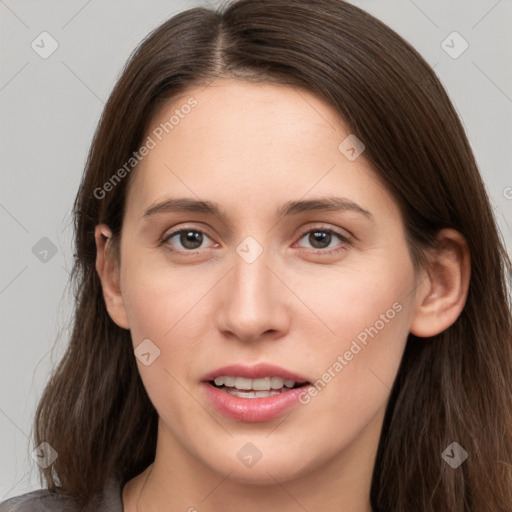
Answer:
(259, 384)
(262, 384)
(276, 383)
(229, 381)
(243, 383)
(251, 394)
(226, 381)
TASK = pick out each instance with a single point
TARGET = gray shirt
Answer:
(109, 500)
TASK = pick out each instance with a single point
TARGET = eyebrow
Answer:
(331, 204)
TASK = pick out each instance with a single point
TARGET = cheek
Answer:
(167, 312)
(363, 294)
(368, 314)
(158, 297)
(161, 308)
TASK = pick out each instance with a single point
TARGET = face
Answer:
(298, 275)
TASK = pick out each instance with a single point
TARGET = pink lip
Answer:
(252, 409)
(253, 372)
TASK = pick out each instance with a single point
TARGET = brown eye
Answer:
(189, 239)
(321, 239)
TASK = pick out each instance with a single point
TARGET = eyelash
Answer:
(193, 252)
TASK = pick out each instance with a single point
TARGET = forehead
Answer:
(239, 114)
(243, 140)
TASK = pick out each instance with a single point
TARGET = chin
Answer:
(264, 472)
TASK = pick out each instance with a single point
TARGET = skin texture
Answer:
(251, 148)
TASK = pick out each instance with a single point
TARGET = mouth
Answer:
(258, 393)
(243, 387)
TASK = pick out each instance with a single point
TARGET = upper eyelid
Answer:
(335, 231)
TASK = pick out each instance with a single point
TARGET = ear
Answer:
(442, 293)
(108, 272)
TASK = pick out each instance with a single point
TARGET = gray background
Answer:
(50, 108)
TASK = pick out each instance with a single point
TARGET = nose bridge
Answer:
(251, 275)
(253, 299)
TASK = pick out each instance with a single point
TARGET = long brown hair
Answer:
(456, 386)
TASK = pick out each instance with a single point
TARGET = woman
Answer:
(291, 291)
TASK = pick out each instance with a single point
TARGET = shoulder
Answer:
(35, 501)
(43, 500)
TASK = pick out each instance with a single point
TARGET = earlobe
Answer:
(441, 295)
(109, 276)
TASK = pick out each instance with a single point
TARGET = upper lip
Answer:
(254, 372)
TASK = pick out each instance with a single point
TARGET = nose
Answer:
(253, 302)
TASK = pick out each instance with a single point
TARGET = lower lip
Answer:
(252, 409)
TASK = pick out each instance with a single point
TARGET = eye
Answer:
(189, 238)
(192, 239)
(320, 238)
